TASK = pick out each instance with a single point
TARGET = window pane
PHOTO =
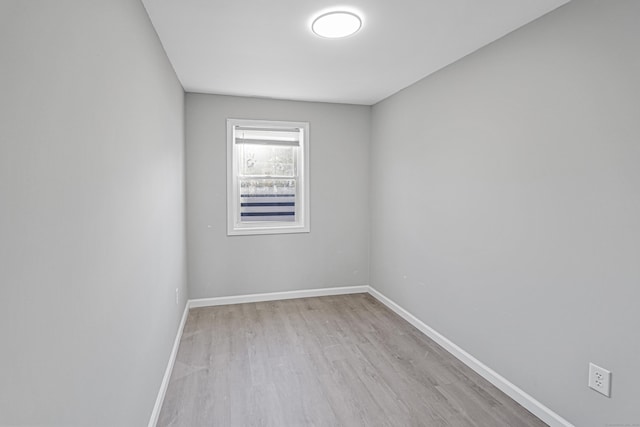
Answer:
(267, 199)
(268, 160)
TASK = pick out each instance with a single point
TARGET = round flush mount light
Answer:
(335, 25)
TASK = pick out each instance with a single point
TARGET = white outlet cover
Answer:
(600, 379)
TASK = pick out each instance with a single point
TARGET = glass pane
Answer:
(267, 199)
(266, 159)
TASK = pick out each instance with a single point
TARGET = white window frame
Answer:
(234, 225)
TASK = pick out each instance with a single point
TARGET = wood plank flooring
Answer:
(342, 360)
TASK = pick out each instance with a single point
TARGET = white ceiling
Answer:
(265, 48)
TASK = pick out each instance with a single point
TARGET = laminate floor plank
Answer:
(342, 360)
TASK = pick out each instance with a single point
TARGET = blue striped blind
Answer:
(268, 207)
(267, 199)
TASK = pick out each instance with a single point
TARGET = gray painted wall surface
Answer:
(92, 240)
(506, 206)
(335, 253)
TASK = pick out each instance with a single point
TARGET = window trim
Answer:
(302, 223)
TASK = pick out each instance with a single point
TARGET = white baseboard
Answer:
(167, 373)
(510, 389)
(273, 296)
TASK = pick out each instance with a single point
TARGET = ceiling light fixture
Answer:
(334, 25)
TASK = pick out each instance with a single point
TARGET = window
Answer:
(267, 177)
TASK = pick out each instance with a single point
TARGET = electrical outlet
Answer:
(600, 379)
(177, 296)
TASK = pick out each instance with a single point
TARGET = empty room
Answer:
(311, 213)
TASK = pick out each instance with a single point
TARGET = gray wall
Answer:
(92, 241)
(506, 206)
(335, 253)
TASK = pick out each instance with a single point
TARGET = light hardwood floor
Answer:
(328, 361)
